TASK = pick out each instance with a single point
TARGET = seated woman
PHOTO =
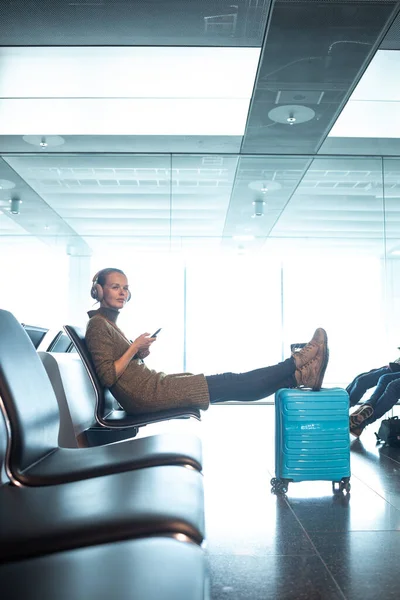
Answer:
(138, 389)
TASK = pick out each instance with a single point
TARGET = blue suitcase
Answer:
(312, 440)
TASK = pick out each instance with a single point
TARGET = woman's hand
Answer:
(143, 343)
(140, 346)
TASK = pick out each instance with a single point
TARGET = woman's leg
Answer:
(252, 385)
(304, 368)
(364, 382)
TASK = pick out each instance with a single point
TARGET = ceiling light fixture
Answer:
(15, 206)
(291, 114)
(258, 208)
(44, 141)
(6, 184)
(243, 238)
(265, 186)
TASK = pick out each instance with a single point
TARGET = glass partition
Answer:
(391, 175)
(235, 257)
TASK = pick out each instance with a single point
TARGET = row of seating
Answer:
(48, 340)
(122, 520)
(106, 414)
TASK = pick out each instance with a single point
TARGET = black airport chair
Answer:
(30, 407)
(151, 501)
(76, 400)
(36, 334)
(55, 341)
(107, 416)
(143, 569)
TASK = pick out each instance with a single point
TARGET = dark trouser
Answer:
(252, 385)
(385, 396)
(365, 381)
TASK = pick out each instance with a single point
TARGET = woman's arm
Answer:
(101, 345)
(140, 345)
(100, 340)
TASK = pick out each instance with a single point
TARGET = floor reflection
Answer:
(309, 544)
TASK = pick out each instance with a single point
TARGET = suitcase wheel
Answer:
(279, 486)
(339, 487)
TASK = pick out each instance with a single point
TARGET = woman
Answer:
(138, 389)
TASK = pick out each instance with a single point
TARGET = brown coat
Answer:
(138, 389)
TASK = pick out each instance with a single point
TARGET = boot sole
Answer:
(324, 363)
(356, 432)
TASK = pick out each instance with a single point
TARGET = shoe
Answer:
(356, 431)
(310, 350)
(361, 414)
(312, 374)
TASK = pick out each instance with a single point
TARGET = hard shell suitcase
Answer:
(312, 440)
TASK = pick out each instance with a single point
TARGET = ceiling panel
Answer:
(392, 38)
(203, 190)
(307, 72)
(121, 143)
(263, 186)
(133, 72)
(127, 22)
(190, 203)
(337, 199)
(20, 204)
(125, 196)
(122, 116)
(49, 93)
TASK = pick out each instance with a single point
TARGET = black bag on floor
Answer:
(389, 432)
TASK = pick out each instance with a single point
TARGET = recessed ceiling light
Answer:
(243, 238)
(258, 208)
(15, 206)
(5, 184)
(265, 186)
(291, 114)
(44, 141)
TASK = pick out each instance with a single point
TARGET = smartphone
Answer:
(154, 335)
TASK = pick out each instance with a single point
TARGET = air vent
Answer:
(298, 97)
(212, 161)
(108, 182)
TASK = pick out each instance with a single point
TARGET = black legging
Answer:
(252, 385)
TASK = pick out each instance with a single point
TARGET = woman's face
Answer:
(115, 291)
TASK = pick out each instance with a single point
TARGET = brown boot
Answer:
(310, 351)
(312, 374)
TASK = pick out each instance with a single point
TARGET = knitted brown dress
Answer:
(138, 389)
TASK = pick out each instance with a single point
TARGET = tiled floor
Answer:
(308, 545)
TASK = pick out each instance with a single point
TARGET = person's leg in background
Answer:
(363, 382)
(387, 400)
(382, 400)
